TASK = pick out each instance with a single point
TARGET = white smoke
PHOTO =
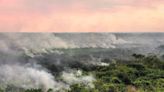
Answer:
(13, 45)
(94, 40)
(42, 42)
(30, 77)
(76, 77)
(27, 77)
(36, 42)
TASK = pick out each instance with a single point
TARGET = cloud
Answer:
(42, 5)
(81, 16)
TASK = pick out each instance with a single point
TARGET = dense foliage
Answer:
(142, 74)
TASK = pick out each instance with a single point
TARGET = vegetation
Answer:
(142, 74)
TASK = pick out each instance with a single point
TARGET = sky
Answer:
(81, 15)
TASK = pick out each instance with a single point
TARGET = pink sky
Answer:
(82, 15)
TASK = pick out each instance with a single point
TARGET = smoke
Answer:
(30, 77)
(15, 69)
(94, 40)
(25, 77)
(12, 43)
(35, 42)
(75, 77)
